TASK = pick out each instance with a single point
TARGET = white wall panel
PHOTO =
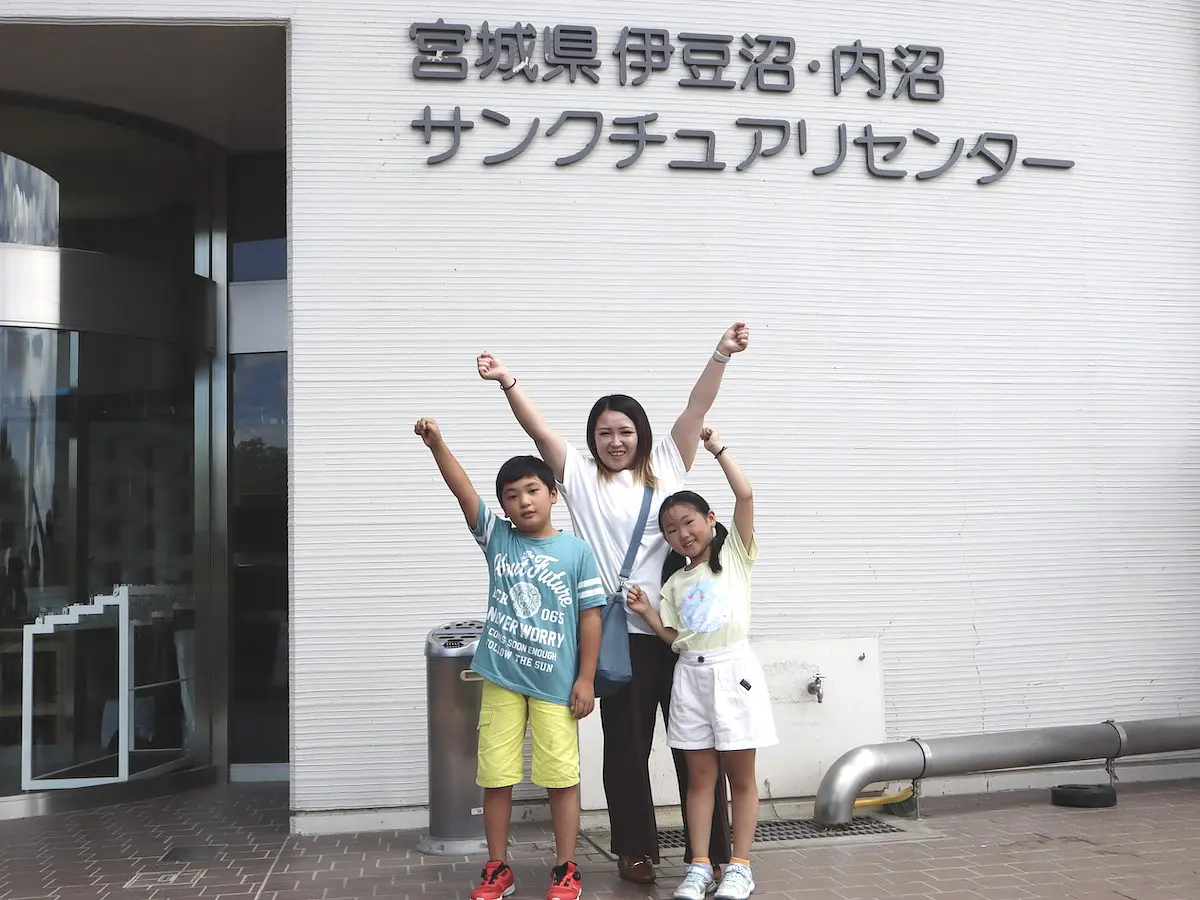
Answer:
(969, 411)
(812, 733)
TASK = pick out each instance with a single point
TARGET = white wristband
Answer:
(720, 357)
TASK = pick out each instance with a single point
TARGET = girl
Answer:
(720, 710)
(604, 493)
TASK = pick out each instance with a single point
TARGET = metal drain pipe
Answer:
(966, 754)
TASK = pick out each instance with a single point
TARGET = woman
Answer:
(604, 495)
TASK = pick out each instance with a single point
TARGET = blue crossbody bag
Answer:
(615, 669)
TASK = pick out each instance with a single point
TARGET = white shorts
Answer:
(719, 701)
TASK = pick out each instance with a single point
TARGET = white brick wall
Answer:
(969, 411)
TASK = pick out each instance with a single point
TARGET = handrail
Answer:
(966, 754)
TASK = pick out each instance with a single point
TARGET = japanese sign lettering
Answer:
(508, 49)
(770, 70)
(643, 50)
(766, 63)
(572, 48)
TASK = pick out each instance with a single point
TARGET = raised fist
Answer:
(735, 339)
(491, 369)
(429, 431)
(712, 440)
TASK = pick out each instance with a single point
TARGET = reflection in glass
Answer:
(76, 729)
(259, 260)
(258, 216)
(258, 477)
(162, 702)
(121, 190)
(96, 489)
(28, 204)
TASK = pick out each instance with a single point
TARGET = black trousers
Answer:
(628, 722)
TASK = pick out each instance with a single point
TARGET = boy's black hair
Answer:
(523, 467)
(676, 561)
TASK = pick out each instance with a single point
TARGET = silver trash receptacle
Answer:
(453, 695)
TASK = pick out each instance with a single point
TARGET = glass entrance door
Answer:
(96, 489)
(108, 309)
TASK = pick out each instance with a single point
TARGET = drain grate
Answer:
(792, 830)
(202, 853)
(164, 879)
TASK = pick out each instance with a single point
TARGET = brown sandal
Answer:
(636, 871)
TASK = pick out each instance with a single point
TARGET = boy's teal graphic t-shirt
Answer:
(538, 587)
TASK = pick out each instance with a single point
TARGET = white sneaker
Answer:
(738, 883)
(696, 884)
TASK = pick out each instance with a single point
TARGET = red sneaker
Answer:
(497, 881)
(565, 883)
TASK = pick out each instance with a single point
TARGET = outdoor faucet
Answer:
(817, 686)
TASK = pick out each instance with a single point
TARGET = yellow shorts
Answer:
(502, 720)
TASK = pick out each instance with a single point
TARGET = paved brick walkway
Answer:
(998, 847)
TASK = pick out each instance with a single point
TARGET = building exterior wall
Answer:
(968, 409)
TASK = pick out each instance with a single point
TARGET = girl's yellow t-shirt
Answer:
(711, 611)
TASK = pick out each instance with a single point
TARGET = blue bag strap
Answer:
(636, 541)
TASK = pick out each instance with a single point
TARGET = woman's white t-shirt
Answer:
(605, 511)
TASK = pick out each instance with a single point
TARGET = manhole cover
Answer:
(792, 830)
(201, 853)
(165, 879)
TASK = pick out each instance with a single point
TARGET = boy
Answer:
(537, 656)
